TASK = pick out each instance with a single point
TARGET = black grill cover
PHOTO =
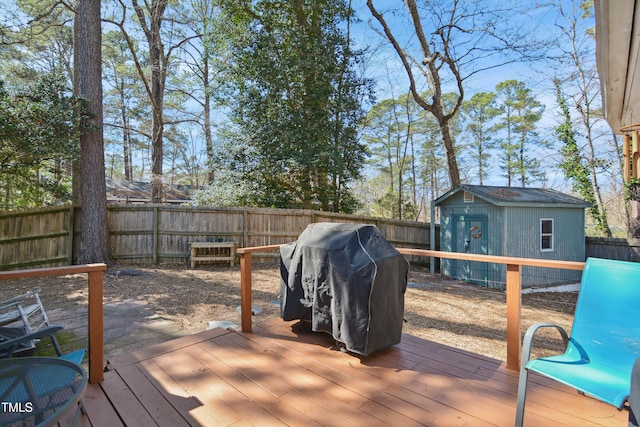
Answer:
(347, 280)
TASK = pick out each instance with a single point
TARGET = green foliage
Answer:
(387, 206)
(39, 127)
(406, 152)
(36, 39)
(587, 8)
(227, 191)
(521, 113)
(574, 167)
(392, 131)
(68, 340)
(297, 103)
(125, 110)
(480, 112)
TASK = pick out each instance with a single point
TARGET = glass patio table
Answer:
(38, 391)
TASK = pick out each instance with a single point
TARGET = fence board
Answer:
(620, 249)
(131, 232)
(36, 237)
(161, 233)
(144, 233)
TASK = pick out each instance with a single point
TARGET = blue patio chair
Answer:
(605, 337)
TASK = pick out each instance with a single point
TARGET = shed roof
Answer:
(518, 197)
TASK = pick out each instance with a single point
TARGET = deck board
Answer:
(278, 376)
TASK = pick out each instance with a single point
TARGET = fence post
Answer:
(155, 234)
(245, 237)
(514, 302)
(71, 233)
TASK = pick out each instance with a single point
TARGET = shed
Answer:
(509, 221)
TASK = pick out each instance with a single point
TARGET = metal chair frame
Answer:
(605, 337)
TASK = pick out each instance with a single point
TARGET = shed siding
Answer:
(523, 231)
(515, 231)
(455, 207)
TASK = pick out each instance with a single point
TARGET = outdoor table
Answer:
(37, 391)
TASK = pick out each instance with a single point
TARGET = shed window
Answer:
(546, 234)
(468, 197)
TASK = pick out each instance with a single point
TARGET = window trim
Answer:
(468, 197)
(551, 235)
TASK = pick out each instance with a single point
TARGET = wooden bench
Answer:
(212, 252)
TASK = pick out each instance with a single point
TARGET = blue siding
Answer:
(515, 231)
(523, 225)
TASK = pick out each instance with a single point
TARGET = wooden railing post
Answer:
(514, 302)
(245, 291)
(514, 288)
(245, 283)
(96, 311)
(513, 282)
(96, 327)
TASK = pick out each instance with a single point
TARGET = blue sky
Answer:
(537, 22)
(385, 67)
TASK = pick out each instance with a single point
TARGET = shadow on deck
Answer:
(275, 376)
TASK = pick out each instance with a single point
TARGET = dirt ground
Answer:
(175, 300)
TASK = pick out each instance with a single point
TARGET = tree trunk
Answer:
(597, 194)
(94, 233)
(157, 123)
(432, 71)
(452, 162)
(126, 137)
(207, 116)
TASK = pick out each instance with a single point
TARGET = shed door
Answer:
(470, 237)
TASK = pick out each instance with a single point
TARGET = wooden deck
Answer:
(275, 376)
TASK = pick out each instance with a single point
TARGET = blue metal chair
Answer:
(605, 337)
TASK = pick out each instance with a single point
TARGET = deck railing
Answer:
(513, 287)
(96, 329)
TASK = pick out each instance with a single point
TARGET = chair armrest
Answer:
(9, 346)
(529, 335)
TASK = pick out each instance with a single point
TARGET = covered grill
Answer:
(347, 280)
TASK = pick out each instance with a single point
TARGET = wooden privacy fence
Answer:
(161, 233)
(37, 237)
(513, 290)
(620, 249)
